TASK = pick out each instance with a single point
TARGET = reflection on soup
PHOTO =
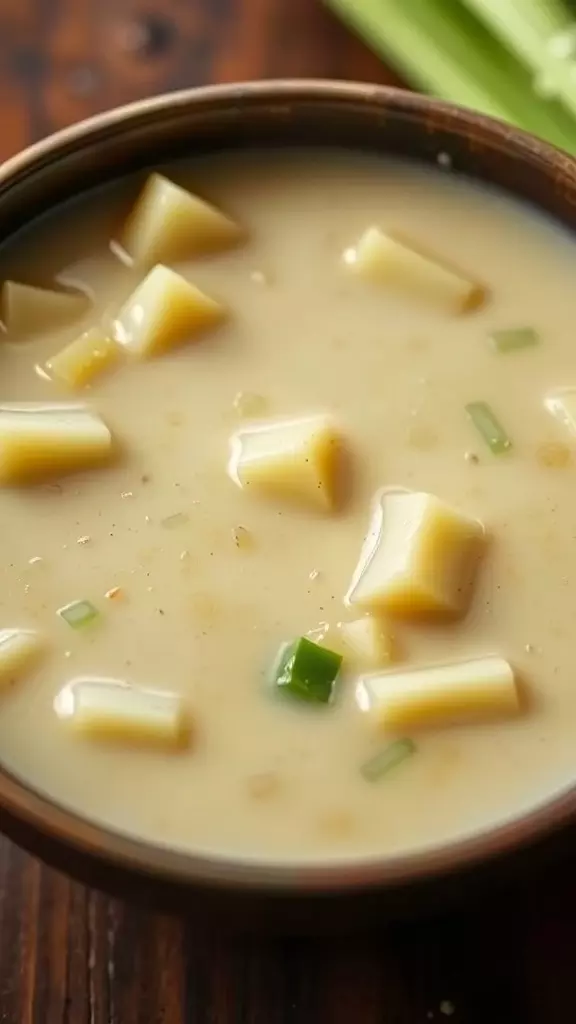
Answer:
(287, 468)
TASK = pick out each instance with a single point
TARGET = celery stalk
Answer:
(543, 35)
(443, 49)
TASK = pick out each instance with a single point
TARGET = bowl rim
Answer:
(45, 818)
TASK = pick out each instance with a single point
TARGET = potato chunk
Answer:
(169, 223)
(293, 459)
(440, 694)
(562, 405)
(418, 558)
(385, 260)
(18, 649)
(367, 641)
(83, 359)
(28, 311)
(164, 311)
(38, 440)
(111, 710)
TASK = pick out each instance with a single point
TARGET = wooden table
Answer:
(69, 955)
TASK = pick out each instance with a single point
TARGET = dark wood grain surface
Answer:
(69, 955)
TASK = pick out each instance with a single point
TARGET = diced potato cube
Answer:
(164, 311)
(385, 260)
(562, 405)
(367, 640)
(169, 223)
(111, 710)
(418, 558)
(293, 459)
(38, 440)
(440, 694)
(83, 359)
(28, 311)
(18, 648)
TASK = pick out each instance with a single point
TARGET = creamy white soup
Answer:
(287, 492)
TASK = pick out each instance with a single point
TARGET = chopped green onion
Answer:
(514, 338)
(307, 671)
(78, 613)
(490, 429)
(177, 519)
(387, 759)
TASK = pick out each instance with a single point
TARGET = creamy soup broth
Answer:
(202, 613)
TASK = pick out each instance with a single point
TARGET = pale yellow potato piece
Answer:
(440, 694)
(294, 459)
(164, 311)
(562, 405)
(386, 260)
(18, 649)
(28, 311)
(78, 363)
(169, 223)
(419, 557)
(367, 641)
(39, 440)
(110, 710)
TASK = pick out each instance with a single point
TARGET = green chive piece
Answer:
(490, 429)
(387, 759)
(307, 671)
(78, 613)
(514, 338)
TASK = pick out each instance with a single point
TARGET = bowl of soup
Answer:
(287, 475)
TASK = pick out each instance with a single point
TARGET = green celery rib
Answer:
(527, 27)
(443, 49)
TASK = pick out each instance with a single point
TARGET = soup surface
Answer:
(190, 603)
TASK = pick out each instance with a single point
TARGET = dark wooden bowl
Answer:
(281, 113)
